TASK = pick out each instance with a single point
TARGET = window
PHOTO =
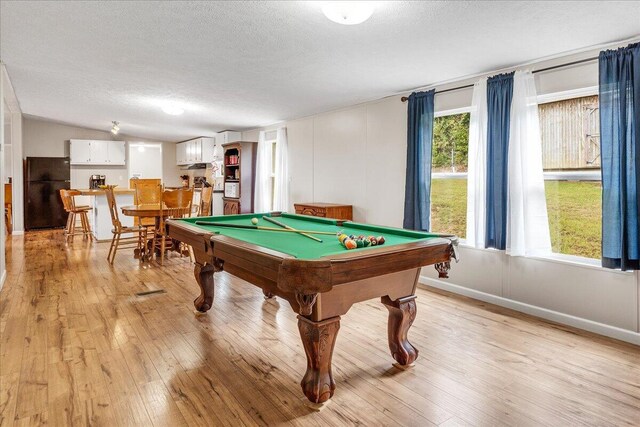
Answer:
(571, 161)
(449, 174)
(270, 138)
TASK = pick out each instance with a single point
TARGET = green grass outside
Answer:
(574, 209)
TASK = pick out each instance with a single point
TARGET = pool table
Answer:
(320, 280)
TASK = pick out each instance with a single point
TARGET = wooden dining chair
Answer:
(138, 233)
(204, 207)
(74, 212)
(177, 205)
(146, 191)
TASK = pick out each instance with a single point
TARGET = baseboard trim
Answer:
(17, 233)
(554, 316)
(2, 279)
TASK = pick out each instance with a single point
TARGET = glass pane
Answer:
(451, 143)
(571, 160)
(449, 206)
(575, 217)
(449, 180)
(273, 158)
(273, 193)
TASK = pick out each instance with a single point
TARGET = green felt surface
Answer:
(301, 246)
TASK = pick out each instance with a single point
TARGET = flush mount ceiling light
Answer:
(115, 128)
(172, 108)
(348, 12)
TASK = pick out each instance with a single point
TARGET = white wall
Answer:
(13, 145)
(357, 155)
(43, 138)
(3, 269)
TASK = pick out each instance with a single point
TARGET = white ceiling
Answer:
(238, 65)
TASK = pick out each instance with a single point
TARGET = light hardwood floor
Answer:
(78, 347)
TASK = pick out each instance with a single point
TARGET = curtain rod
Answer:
(568, 64)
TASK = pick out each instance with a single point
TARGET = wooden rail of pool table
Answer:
(305, 278)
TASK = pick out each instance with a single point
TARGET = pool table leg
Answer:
(318, 339)
(402, 313)
(204, 277)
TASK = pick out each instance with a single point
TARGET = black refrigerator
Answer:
(45, 177)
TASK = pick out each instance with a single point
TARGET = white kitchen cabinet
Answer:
(199, 150)
(181, 153)
(195, 150)
(98, 152)
(93, 152)
(227, 137)
(117, 153)
(207, 150)
(80, 152)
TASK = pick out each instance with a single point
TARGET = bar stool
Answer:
(70, 206)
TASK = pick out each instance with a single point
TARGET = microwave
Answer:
(232, 189)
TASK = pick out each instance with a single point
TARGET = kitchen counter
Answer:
(99, 191)
(100, 216)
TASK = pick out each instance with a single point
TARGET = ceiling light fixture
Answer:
(172, 109)
(348, 12)
(115, 128)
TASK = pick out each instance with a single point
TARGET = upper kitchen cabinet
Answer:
(227, 137)
(181, 153)
(93, 152)
(199, 150)
(117, 153)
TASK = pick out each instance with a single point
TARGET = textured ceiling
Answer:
(238, 65)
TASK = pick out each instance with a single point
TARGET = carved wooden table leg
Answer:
(204, 277)
(402, 313)
(443, 269)
(318, 339)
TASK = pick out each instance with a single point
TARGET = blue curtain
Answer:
(499, 95)
(417, 192)
(620, 154)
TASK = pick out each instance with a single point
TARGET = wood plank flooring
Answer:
(78, 347)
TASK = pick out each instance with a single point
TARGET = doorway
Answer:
(145, 160)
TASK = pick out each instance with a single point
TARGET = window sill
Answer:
(573, 260)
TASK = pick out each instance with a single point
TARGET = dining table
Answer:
(149, 210)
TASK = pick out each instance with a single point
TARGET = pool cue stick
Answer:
(258, 227)
(273, 221)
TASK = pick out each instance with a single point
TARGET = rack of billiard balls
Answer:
(361, 241)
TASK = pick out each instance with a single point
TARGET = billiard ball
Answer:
(380, 240)
(350, 244)
(254, 221)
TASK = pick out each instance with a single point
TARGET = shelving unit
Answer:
(239, 173)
